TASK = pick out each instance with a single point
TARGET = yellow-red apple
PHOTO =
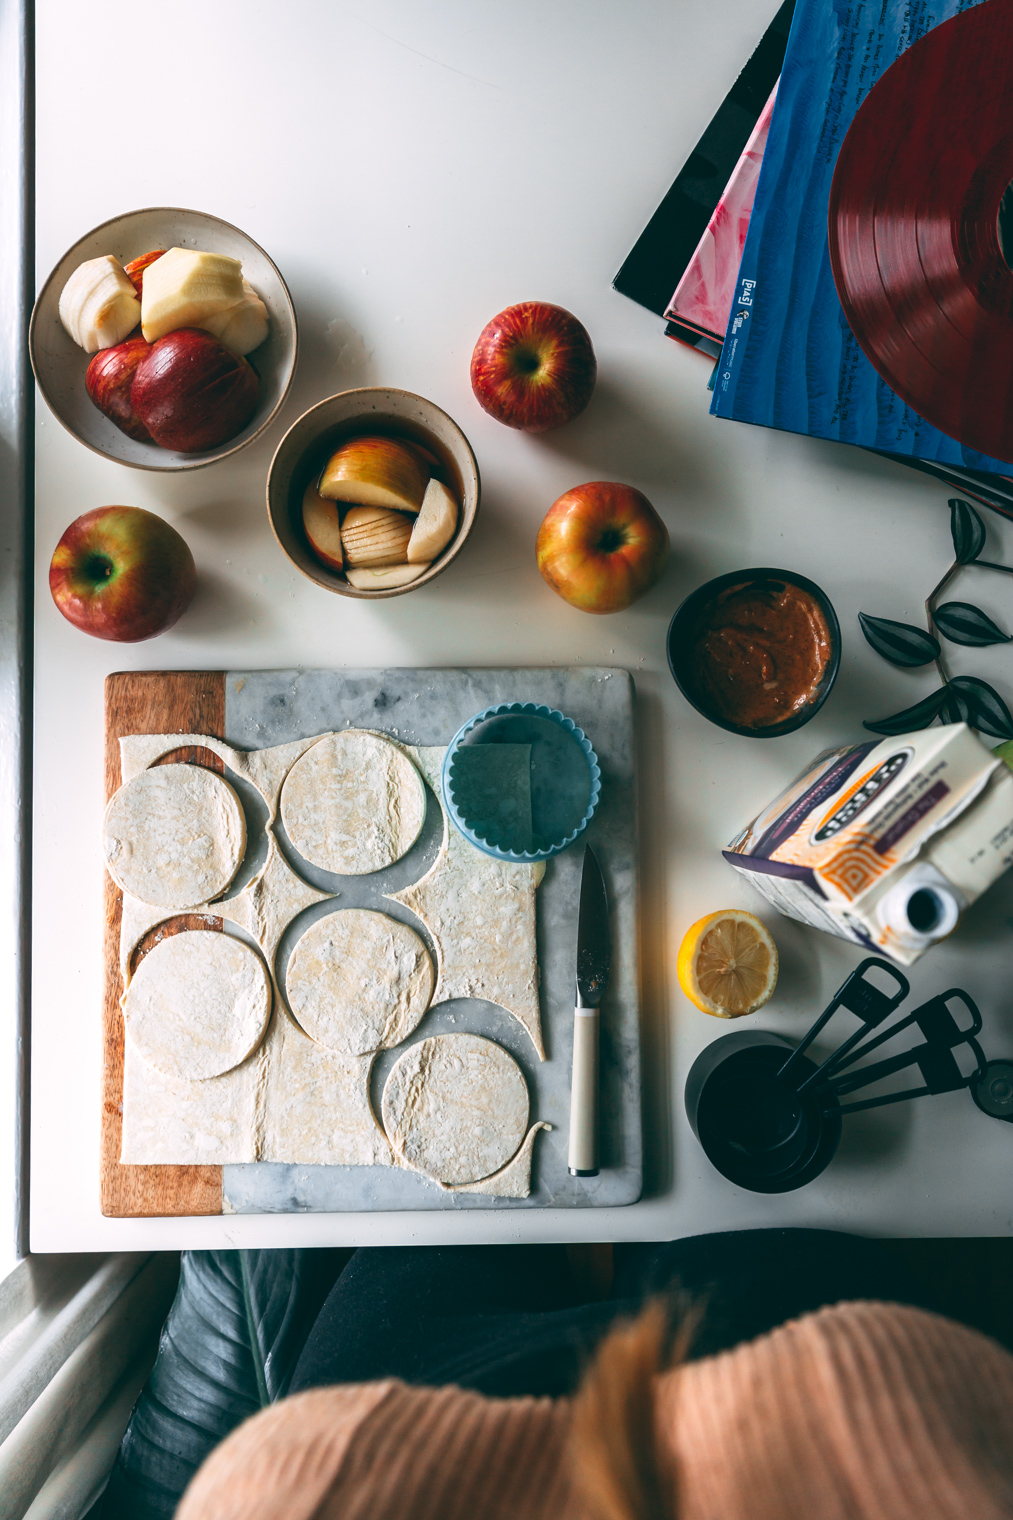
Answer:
(601, 546)
(122, 573)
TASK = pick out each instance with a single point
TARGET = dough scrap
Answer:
(353, 803)
(267, 906)
(455, 1107)
(512, 1180)
(480, 914)
(359, 981)
(316, 1104)
(168, 1121)
(174, 836)
(198, 1004)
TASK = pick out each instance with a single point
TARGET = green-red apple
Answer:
(122, 573)
(601, 546)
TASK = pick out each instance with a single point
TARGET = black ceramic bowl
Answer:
(680, 644)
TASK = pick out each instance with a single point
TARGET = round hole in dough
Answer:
(455, 1107)
(174, 836)
(198, 1004)
(353, 803)
(359, 981)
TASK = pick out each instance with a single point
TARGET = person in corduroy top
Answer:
(864, 1411)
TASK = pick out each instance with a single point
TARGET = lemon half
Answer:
(728, 964)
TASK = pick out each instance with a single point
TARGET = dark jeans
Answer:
(503, 1319)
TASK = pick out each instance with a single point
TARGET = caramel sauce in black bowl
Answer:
(756, 651)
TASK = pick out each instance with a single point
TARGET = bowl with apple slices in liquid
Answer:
(373, 492)
(61, 363)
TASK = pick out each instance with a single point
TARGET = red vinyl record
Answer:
(913, 227)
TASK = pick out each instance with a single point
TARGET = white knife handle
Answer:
(583, 1157)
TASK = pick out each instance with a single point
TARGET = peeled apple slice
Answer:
(242, 327)
(375, 472)
(435, 525)
(99, 304)
(374, 536)
(320, 519)
(382, 577)
(187, 288)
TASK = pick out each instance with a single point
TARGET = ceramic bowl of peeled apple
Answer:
(373, 492)
(164, 339)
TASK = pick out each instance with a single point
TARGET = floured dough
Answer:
(316, 1104)
(271, 901)
(455, 1107)
(359, 981)
(354, 803)
(512, 1180)
(480, 914)
(198, 1004)
(174, 836)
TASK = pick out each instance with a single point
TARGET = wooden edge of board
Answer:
(147, 702)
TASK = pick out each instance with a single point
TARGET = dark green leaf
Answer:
(981, 706)
(230, 1345)
(900, 643)
(919, 716)
(965, 624)
(967, 531)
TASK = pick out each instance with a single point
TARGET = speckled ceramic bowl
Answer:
(305, 448)
(60, 365)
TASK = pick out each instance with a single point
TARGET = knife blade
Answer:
(593, 961)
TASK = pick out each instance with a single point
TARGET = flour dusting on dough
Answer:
(480, 913)
(359, 981)
(174, 836)
(353, 804)
(455, 1107)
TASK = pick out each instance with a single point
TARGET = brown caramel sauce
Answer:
(758, 652)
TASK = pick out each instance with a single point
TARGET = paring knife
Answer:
(592, 979)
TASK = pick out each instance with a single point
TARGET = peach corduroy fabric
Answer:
(860, 1412)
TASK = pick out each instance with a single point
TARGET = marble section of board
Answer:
(427, 707)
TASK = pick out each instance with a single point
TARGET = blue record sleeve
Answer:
(789, 358)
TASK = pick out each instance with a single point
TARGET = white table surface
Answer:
(413, 169)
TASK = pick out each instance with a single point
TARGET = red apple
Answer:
(135, 269)
(193, 393)
(108, 379)
(533, 367)
(122, 573)
(601, 546)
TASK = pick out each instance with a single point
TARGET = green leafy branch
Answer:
(960, 699)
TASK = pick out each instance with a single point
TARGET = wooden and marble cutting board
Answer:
(256, 709)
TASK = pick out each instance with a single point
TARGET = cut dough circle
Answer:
(359, 981)
(198, 1004)
(174, 836)
(354, 803)
(455, 1107)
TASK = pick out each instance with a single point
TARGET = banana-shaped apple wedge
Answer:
(320, 519)
(375, 472)
(435, 525)
(188, 288)
(382, 577)
(375, 536)
(99, 304)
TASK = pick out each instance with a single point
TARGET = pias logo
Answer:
(860, 799)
